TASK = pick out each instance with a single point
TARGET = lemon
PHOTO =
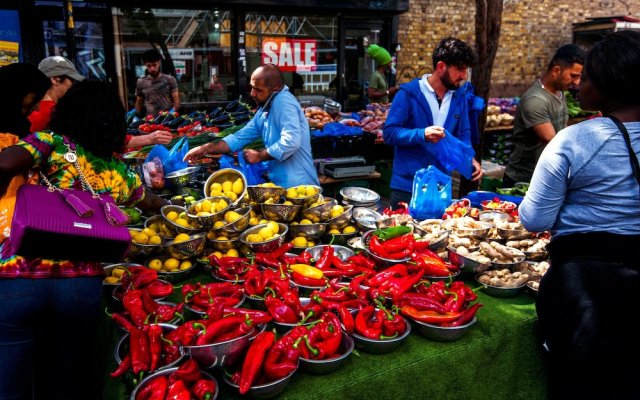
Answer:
(155, 264)
(141, 238)
(301, 191)
(172, 215)
(291, 192)
(266, 233)
(155, 239)
(254, 238)
(205, 205)
(310, 243)
(217, 254)
(203, 214)
(221, 205)
(254, 221)
(197, 208)
(111, 279)
(232, 253)
(181, 237)
(238, 186)
(214, 193)
(227, 186)
(273, 225)
(269, 201)
(293, 223)
(231, 195)
(287, 203)
(133, 233)
(253, 214)
(300, 241)
(231, 216)
(171, 264)
(211, 235)
(218, 224)
(182, 222)
(186, 264)
(336, 210)
(268, 184)
(222, 238)
(149, 231)
(310, 190)
(216, 186)
(263, 221)
(305, 222)
(349, 229)
(335, 232)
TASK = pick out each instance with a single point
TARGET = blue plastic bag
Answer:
(454, 154)
(175, 158)
(254, 173)
(338, 129)
(226, 161)
(431, 193)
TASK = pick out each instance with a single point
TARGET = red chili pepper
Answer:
(204, 389)
(178, 391)
(421, 245)
(171, 350)
(362, 261)
(291, 299)
(281, 251)
(467, 316)
(326, 258)
(429, 317)
(154, 333)
(368, 323)
(144, 278)
(305, 281)
(148, 303)
(189, 372)
(154, 389)
(254, 358)
(132, 303)
(400, 255)
(123, 367)
(399, 243)
(216, 309)
(456, 300)
(267, 260)
(166, 312)
(280, 311)
(375, 245)
(254, 283)
(437, 291)
(218, 328)
(420, 301)
(256, 316)
(342, 265)
(348, 323)
(159, 289)
(396, 286)
(392, 323)
(185, 333)
(123, 321)
(139, 350)
(396, 270)
(281, 359)
(332, 294)
(326, 336)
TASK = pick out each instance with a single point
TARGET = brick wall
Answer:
(531, 32)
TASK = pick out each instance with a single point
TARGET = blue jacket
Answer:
(285, 132)
(404, 129)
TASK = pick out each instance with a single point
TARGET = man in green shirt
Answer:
(379, 90)
(542, 112)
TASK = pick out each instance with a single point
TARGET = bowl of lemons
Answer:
(185, 246)
(301, 243)
(229, 183)
(303, 195)
(219, 241)
(170, 268)
(159, 225)
(176, 218)
(265, 191)
(340, 236)
(340, 217)
(280, 212)
(320, 210)
(236, 221)
(144, 242)
(264, 238)
(207, 211)
(307, 229)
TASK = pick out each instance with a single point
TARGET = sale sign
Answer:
(290, 54)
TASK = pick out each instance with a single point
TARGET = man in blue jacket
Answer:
(281, 124)
(423, 110)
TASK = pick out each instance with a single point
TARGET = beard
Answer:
(449, 83)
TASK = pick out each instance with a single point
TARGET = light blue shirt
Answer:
(285, 132)
(583, 182)
(439, 111)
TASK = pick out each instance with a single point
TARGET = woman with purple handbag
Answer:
(50, 309)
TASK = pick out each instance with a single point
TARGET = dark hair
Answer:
(91, 113)
(454, 51)
(566, 56)
(612, 66)
(151, 55)
(17, 81)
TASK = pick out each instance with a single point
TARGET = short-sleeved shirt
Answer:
(157, 92)
(537, 106)
(111, 176)
(379, 82)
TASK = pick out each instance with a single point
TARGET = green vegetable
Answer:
(392, 232)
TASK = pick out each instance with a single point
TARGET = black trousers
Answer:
(587, 306)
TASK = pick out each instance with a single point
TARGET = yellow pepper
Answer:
(307, 271)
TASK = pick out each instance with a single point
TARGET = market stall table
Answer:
(498, 358)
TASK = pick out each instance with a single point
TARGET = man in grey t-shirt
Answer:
(157, 91)
(542, 112)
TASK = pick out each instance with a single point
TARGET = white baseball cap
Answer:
(58, 66)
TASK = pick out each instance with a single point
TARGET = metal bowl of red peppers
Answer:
(329, 365)
(166, 356)
(389, 245)
(379, 330)
(183, 382)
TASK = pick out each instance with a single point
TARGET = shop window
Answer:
(305, 49)
(196, 46)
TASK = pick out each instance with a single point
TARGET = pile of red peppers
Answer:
(185, 383)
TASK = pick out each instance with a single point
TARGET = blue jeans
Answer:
(47, 336)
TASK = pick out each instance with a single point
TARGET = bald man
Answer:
(281, 124)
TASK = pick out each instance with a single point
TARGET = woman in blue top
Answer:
(586, 192)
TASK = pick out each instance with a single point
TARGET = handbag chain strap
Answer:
(635, 166)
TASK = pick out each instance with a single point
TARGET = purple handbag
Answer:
(68, 224)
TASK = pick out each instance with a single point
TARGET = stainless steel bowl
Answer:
(366, 218)
(167, 372)
(366, 238)
(178, 275)
(222, 245)
(217, 355)
(452, 275)
(267, 390)
(260, 194)
(165, 230)
(227, 174)
(341, 220)
(339, 251)
(513, 234)
(466, 264)
(478, 233)
(139, 250)
(122, 347)
(322, 367)
(309, 231)
(536, 255)
(443, 333)
(373, 346)
(359, 195)
(306, 201)
(280, 212)
(207, 221)
(494, 216)
(266, 246)
(509, 265)
(234, 228)
(189, 248)
(108, 269)
(182, 177)
(175, 227)
(498, 291)
(441, 242)
(339, 238)
(321, 212)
